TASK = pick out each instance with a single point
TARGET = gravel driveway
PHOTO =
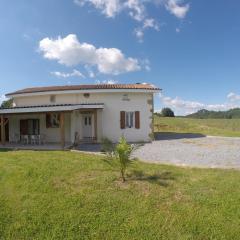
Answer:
(193, 150)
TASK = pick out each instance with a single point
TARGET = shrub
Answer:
(167, 112)
(123, 152)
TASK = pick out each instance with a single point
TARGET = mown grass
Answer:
(214, 127)
(66, 195)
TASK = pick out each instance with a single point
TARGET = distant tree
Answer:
(7, 104)
(157, 114)
(167, 112)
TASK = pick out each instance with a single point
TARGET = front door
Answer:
(87, 125)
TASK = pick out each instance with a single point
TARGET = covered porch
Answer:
(58, 126)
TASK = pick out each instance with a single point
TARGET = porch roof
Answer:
(51, 108)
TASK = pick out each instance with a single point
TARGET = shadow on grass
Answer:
(162, 179)
(174, 136)
(6, 150)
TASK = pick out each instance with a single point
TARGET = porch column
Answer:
(62, 130)
(2, 130)
(95, 123)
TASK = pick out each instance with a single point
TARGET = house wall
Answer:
(52, 134)
(108, 118)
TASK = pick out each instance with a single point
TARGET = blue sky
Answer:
(188, 48)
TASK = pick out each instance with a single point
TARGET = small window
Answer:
(52, 120)
(129, 119)
(125, 97)
(53, 98)
(87, 121)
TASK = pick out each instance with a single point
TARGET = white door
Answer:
(87, 126)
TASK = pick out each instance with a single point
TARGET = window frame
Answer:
(52, 98)
(53, 120)
(129, 119)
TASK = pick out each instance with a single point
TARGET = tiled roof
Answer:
(85, 87)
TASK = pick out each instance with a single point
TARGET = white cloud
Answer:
(139, 33)
(233, 97)
(178, 30)
(110, 81)
(183, 107)
(108, 7)
(90, 72)
(74, 73)
(174, 7)
(148, 23)
(137, 10)
(3, 98)
(69, 51)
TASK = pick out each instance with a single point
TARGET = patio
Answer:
(47, 146)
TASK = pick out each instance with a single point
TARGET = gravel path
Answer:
(193, 150)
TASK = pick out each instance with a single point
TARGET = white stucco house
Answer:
(79, 113)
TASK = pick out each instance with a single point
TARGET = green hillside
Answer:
(205, 114)
(214, 127)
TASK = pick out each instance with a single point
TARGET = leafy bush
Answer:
(123, 152)
(167, 112)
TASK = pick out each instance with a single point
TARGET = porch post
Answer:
(95, 123)
(62, 130)
(2, 130)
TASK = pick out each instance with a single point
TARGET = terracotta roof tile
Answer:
(85, 87)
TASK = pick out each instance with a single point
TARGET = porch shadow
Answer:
(174, 136)
(89, 147)
(161, 179)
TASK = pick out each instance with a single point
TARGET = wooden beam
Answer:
(95, 124)
(6, 121)
(2, 130)
(62, 130)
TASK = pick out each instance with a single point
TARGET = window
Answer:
(129, 119)
(87, 121)
(53, 98)
(125, 97)
(29, 127)
(52, 120)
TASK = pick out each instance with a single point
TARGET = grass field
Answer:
(214, 127)
(66, 195)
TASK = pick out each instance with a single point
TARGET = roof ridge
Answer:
(143, 86)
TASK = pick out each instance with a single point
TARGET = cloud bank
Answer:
(184, 107)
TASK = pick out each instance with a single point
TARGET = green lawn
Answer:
(66, 195)
(214, 127)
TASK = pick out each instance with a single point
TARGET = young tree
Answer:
(167, 112)
(7, 103)
(123, 152)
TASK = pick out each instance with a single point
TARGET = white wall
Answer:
(108, 118)
(52, 134)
